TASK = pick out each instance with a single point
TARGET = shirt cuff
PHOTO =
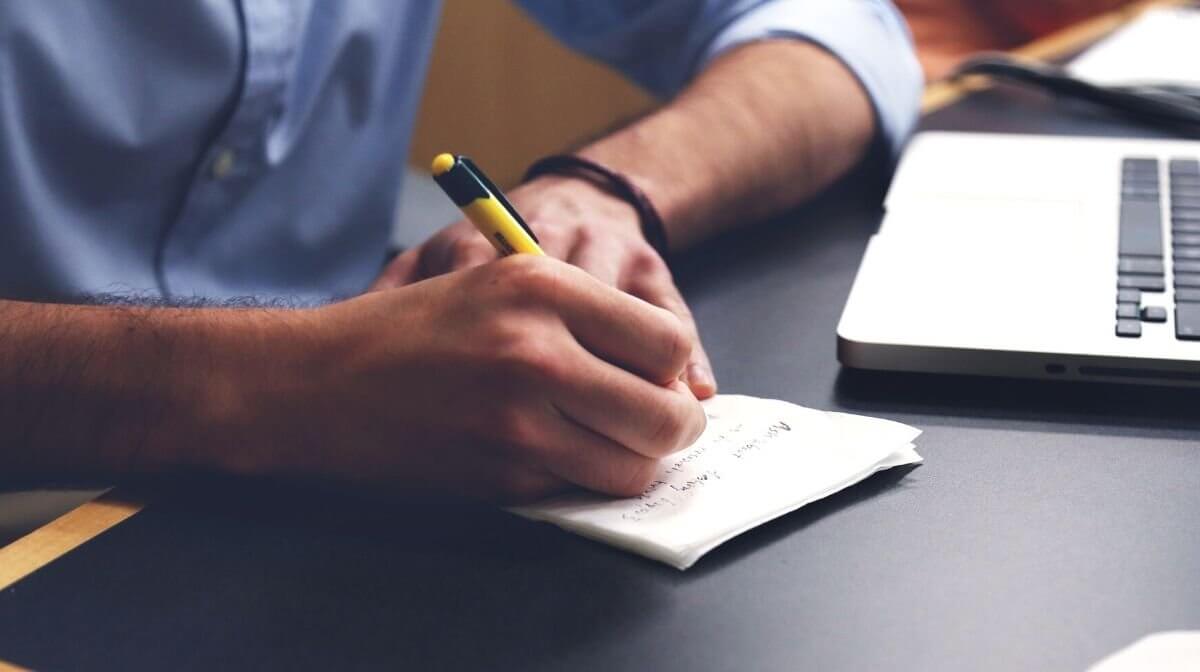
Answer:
(870, 38)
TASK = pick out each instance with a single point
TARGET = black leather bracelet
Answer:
(614, 183)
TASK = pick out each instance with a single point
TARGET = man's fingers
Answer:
(577, 454)
(454, 247)
(470, 252)
(658, 288)
(602, 261)
(403, 270)
(653, 420)
(555, 241)
(620, 328)
(464, 251)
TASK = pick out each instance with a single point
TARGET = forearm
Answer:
(760, 130)
(105, 391)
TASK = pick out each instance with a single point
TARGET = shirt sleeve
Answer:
(661, 44)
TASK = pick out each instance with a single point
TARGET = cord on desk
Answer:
(1169, 104)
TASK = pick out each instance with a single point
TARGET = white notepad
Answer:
(757, 459)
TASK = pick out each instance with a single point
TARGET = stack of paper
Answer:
(757, 459)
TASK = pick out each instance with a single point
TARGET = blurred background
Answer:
(504, 92)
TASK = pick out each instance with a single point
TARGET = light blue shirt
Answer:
(222, 148)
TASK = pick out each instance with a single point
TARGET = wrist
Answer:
(251, 403)
(613, 183)
(550, 198)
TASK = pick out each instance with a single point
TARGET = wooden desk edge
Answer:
(61, 536)
(942, 93)
(66, 533)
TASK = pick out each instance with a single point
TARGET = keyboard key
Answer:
(1129, 328)
(1187, 321)
(1187, 296)
(1185, 216)
(1141, 265)
(1129, 296)
(1186, 239)
(1147, 180)
(1184, 226)
(1154, 314)
(1186, 266)
(1141, 228)
(1146, 283)
(1182, 252)
(1180, 166)
(1141, 163)
(1128, 311)
(1187, 280)
(1178, 201)
(1141, 183)
(1139, 187)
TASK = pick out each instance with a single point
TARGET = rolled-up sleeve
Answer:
(661, 44)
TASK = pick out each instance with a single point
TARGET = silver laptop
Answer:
(1034, 257)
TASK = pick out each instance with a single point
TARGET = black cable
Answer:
(1169, 104)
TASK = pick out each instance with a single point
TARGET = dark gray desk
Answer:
(1050, 525)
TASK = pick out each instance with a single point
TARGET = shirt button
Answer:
(223, 164)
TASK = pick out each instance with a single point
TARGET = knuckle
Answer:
(646, 262)
(529, 275)
(671, 430)
(633, 478)
(677, 342)
(463, 248)
(515, 428)
(550, 235)
(585, 236)
(531, 358)
(547, 366)
(506, 337)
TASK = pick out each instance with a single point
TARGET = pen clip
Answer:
(496, 193)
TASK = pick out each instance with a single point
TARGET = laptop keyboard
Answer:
(1141, 261)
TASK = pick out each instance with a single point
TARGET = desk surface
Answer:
(1050, 525)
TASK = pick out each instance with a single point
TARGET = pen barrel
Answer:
(501, 229)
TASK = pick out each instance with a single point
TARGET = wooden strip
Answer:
(941, 93)
(61, 536)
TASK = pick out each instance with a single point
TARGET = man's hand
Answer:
(733, 148)
(578, 223)
(508, 381)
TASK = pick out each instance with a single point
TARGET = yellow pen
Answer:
(484, 204)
